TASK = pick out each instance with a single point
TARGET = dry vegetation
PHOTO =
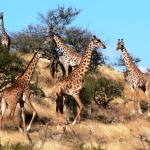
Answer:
(113, 128)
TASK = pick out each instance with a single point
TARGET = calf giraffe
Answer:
(20, 93)
(73, 84)
(5, 37)
(70, 56)
(136, 78)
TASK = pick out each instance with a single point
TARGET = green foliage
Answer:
(10, 66)
(17, 146)
(78, 39)
(60, 19)
(101, 90)
(29, 39)
(36, 90)
(80, 146)
(120, 61)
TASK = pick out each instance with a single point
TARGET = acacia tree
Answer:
(10, 66)
(60, 19)
(29, 39)
(77, 37)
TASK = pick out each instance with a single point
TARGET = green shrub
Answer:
(10, 66)
(80, 146)
(101, 90)
(17, 146)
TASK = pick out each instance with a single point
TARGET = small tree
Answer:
(28, 40)
(10, 66)
(101, 90)
(60, 20)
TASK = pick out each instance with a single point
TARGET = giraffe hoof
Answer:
(74, 122)
(28, 128)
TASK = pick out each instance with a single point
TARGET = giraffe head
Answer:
(40, 53)
(1, 15)
(47, 40)
(97, 43)
(120, 44)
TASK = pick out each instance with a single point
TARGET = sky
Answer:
(108, 19)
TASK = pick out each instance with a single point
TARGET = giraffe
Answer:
(19, 92)
(73, 84)
(69, 56)
(5, 37)
(136, 79)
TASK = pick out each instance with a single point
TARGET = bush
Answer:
(101, 90)
(17, 146)
(10, 66)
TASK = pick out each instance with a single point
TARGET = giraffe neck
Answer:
(60, 44)
(2, 27)
(85, 62)
(25, 78)
(127, 59)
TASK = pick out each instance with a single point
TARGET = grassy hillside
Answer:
(114, 128)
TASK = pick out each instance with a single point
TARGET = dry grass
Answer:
(126, 132)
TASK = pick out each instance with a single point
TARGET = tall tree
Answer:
(10, 66)
(60, 19)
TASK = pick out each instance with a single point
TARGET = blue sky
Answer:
(107, 19)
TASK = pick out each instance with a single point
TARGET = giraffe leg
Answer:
(138, 102)
(133, 98)
(23, 114)
(3, 109)
(11, 116)
(148, 106)
(78, 100)
(34, 114)
(59, 109)
(147, 93)
(59, 104)
(134, 101)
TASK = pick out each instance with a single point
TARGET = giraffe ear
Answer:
(94, 36)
